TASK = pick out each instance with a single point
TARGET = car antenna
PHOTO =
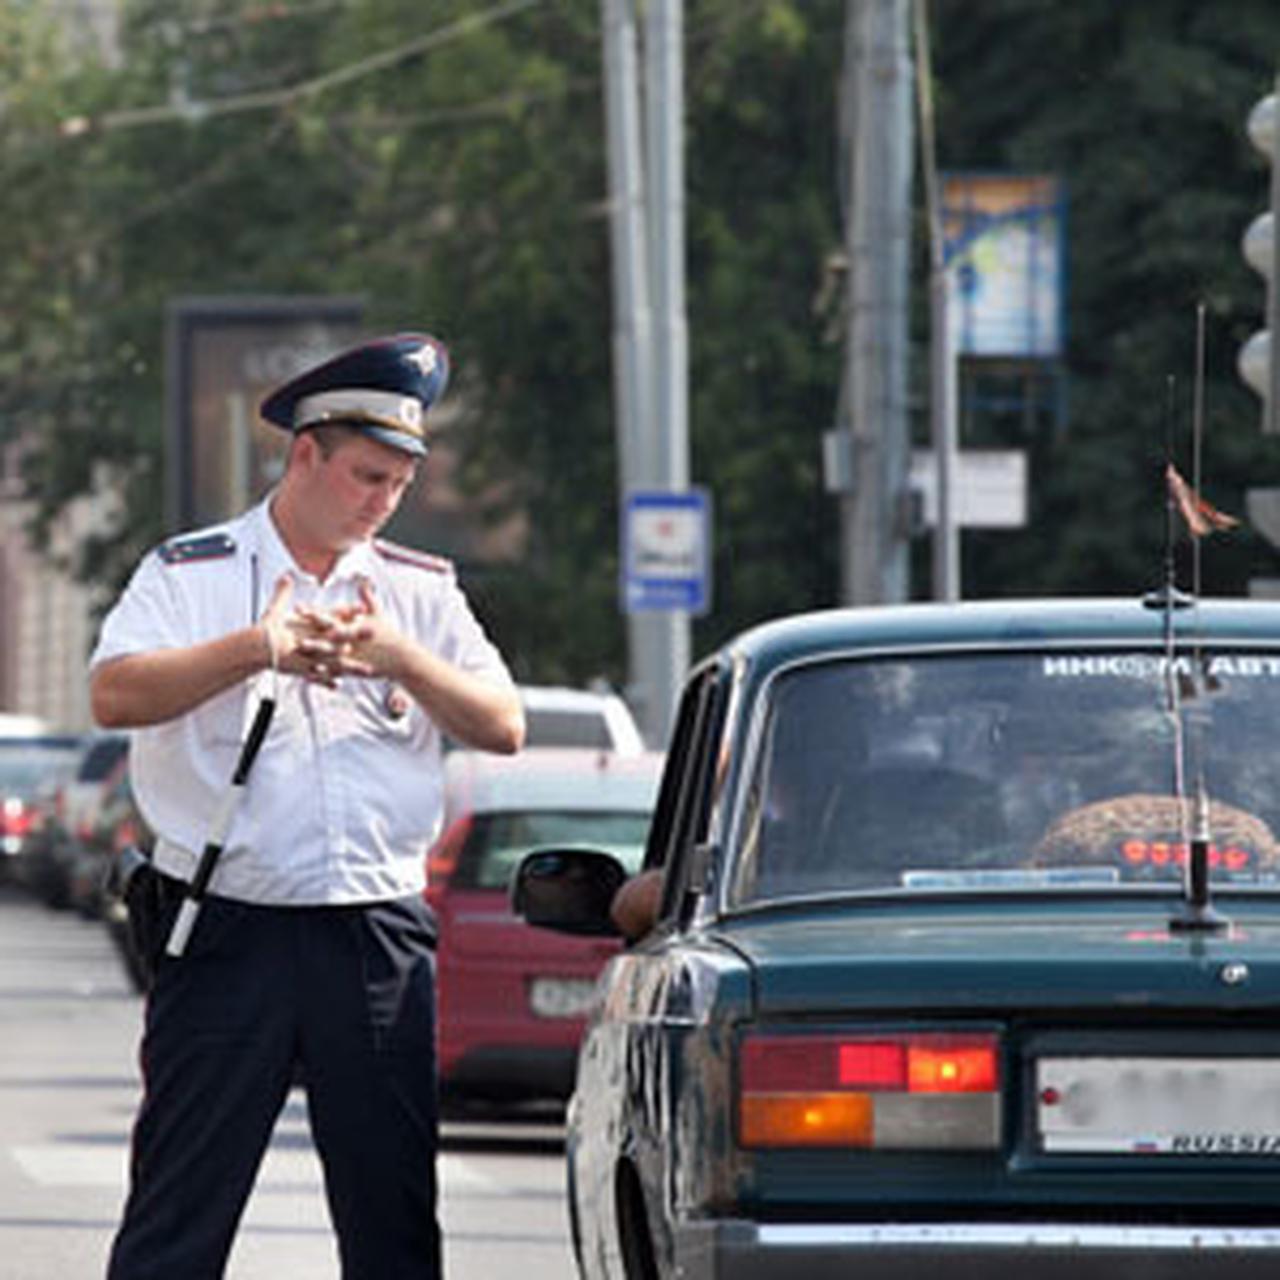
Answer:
(1197, 914)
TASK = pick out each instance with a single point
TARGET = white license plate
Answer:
(1159, 1106)
(562, 997)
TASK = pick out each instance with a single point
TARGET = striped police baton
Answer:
(189, 911)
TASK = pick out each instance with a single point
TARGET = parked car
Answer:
(98, 815)
(513, 1000)
(967, 959)
(63, 866)
(117, 842)
(32, 761)
(18, 724)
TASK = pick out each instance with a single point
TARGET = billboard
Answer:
(1004, 248)
(223, 355)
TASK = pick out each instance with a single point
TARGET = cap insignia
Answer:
(425, 358)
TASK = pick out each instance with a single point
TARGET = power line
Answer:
(222, 167)
(499, 105)
(129, 117)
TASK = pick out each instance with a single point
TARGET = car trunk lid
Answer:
(1112, 956)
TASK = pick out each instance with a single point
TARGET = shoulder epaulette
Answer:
(408, 555)
(200, 546)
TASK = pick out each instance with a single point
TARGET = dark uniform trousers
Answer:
(346, 995)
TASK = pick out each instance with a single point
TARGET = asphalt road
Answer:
(68, 1089)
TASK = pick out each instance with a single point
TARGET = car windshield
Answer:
(498, 841)
(1011, 770)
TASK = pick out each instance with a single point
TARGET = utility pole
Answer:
(650, 329)
(632, 340)
(664, 103)
(877, 115)
(943, 374)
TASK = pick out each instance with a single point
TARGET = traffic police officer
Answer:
(313, 951)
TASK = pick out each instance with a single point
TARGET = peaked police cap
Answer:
(381, 388)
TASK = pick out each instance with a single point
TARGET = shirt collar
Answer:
(358, 562)
(275, 558)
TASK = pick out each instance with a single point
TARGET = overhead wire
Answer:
(163, 113)
(220, 167)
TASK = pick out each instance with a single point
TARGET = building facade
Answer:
(48, 620)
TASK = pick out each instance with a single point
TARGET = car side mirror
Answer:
(569, 890)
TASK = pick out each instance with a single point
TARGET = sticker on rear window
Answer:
(1144, 666)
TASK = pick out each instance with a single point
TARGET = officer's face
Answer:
(356, 489)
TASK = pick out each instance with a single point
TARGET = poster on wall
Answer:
(1004, 246)
(224, 354)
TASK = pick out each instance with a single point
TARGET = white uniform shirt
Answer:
(345, 797)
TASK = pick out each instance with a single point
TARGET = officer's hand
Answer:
(299, 639)
(368, 644)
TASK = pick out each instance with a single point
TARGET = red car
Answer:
(513, 998)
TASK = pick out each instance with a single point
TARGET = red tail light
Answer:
(871, 1064)
(443, 856)
(15, 818)
(910, 1090)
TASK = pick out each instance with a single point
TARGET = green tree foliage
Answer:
(51, 282)
(764, 210)
(446, 161)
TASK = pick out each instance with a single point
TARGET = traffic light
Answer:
(1262, 251)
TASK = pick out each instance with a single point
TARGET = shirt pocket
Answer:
(386, 712)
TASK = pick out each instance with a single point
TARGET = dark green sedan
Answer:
(966, 961)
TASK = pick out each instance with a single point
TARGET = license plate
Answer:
(1159, 1106)
(561, 997)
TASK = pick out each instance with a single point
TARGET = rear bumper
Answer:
(986, 1251)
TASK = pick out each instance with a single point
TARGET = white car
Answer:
(16, 724)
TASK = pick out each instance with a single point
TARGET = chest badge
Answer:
(396, 703)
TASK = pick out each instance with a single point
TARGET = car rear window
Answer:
(100, 758)
(1024, 770)
(28, 763)
(547, 728)
(498, 841)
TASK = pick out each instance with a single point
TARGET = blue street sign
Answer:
(666, 558)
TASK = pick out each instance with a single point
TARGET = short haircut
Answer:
(329, 436)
